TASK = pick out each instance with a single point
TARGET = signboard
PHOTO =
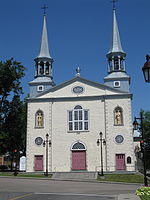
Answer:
(22, 164)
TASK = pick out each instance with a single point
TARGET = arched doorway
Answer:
(78, 156)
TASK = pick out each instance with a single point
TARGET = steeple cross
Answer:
(44, 8)
(114, 4)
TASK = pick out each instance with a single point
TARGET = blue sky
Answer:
(79, 34)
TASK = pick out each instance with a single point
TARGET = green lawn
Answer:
(128, 178)
(25, 175)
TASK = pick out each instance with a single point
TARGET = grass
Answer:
(128, 178)
(25, 175)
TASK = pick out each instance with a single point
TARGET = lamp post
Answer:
(146, 69)
(47, 143)
(16, 161)
(135, 125)
(101, 141)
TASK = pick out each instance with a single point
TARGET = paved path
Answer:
(32, 189)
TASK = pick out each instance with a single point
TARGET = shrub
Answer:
(143, 191)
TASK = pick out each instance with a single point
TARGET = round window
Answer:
(78, 89)
(119, 139)
(38, 141)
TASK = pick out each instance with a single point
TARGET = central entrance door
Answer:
(78, 157)
(78, 160)
(120, 161)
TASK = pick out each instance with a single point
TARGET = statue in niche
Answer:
(39, 119)
(118, 117)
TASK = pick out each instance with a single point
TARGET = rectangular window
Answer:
(78, 119)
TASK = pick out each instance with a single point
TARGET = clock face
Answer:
(78, 89)
(119, 139)
(38, 141)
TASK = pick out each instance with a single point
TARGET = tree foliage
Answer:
(146, 130)
(12, 109)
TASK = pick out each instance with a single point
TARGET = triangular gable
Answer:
(90, 89)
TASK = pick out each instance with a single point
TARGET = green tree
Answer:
(12, 110)
(15, 128)
(11, 73)
(146, 130)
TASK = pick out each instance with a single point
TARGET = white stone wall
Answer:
(112, 131)
(32, 132)
(101, 119)
(62, 139)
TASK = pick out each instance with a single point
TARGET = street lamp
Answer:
(146, 69)
(47, 143)
(101, 141)
(135, 126)
(16, 161)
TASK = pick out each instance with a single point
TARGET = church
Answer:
(80, 125)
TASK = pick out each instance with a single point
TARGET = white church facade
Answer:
(84, 125)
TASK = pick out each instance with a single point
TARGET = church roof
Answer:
(41, 80)
(121, 75)
(44, 49)
(116, 46)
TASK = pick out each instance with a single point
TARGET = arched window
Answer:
(47, 68)
(41, 67)
(39, 119)
(118, 116)
(78, 146)
(78, 119)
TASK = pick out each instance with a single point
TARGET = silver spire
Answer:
(44, 50)
(116, 43)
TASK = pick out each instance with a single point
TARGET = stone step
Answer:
(75, 175)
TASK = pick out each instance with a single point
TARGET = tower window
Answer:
(40, 88)
(116, 84)
(41, 67)
(116, 64)
(47, 68)
(78, 119)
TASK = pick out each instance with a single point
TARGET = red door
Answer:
(78, 160)
(120, 161)
(38, 163)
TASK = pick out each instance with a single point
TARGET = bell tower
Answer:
(117, 76)
(43, 72)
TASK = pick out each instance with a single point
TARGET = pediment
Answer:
(79, 87)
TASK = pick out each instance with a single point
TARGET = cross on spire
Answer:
(114, 4)
(44, 8)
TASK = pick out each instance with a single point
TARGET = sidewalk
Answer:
(128, 197)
